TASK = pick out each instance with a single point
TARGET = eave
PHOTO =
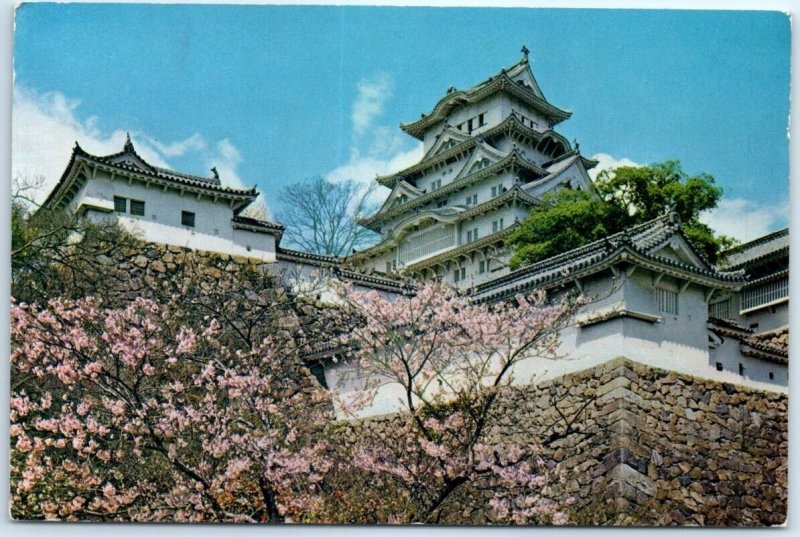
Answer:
(461, 250)
(60, 196)
(513, 158)
(510, 125)
(501, 82)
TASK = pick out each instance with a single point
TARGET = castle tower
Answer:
(490, 153)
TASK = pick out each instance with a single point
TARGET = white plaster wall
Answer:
(161, 222)
(728, 354)
(678, 343)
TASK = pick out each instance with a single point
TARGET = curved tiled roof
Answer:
(514, 157)
(634, 245)
(499, 82)
(749, 253)
(511, 123)
(146, 172)
(335, 265)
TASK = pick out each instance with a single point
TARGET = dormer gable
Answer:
(449, 138)
(523, 77)
(402, 193)
(677, 248)
(482, 156)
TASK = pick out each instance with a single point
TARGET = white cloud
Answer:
(372, 95)
(177, 149)
(606, 162)
(376, 149)
(46, 126)
(745, 219)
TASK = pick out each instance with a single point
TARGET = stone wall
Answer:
(649, 446)
(646, 446)
(640, 445)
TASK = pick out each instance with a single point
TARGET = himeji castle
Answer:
(490, 153)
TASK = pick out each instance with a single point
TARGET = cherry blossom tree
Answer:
(128, 414)
(453, 359)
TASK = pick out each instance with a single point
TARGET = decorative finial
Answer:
(215, 172)
(128, 143)
(576, 143)
(525, 52)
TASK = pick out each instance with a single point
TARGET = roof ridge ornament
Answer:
(128, 147)
(215, 172)
(525, 53)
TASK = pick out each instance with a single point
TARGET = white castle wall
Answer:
(161, 222)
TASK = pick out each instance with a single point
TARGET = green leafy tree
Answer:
(621, 198)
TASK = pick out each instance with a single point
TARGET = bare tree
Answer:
(320, 216)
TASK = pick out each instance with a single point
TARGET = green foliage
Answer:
(622, 197)
(55, 253)
(569, 219)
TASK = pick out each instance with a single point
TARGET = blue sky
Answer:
(273, 94)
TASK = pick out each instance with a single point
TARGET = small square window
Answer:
(741, 369)
(771, 375)
(719, 366)
(120, 204)
(137, 207)
(187, 218)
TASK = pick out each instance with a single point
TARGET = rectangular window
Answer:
(475, 234)
(721, 309)
(497, 225)
(481, 267)
(481, 120)
(472, 200)
(771, 375)
(120, 204)
(469, 125)
(469, 236)
(441, 204)
(187, 218)
(137, 207)
(719, 366)
(460, 274)
(436, 184)
(765, 293)
(427, 243)
(667, 300)
(497, 190)
(741, 369)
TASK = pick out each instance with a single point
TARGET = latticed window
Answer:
(120, 204)
(427, 242)
(721, 309)
(137, 207)
(667, 300)
(765, 293)
(187, 218)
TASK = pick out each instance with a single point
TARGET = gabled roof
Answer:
(448, 135)
(130, 164)
(773, 245)
(557, 168)
(513, 158)
(510, 125)
(635, 245)
(518, 80)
